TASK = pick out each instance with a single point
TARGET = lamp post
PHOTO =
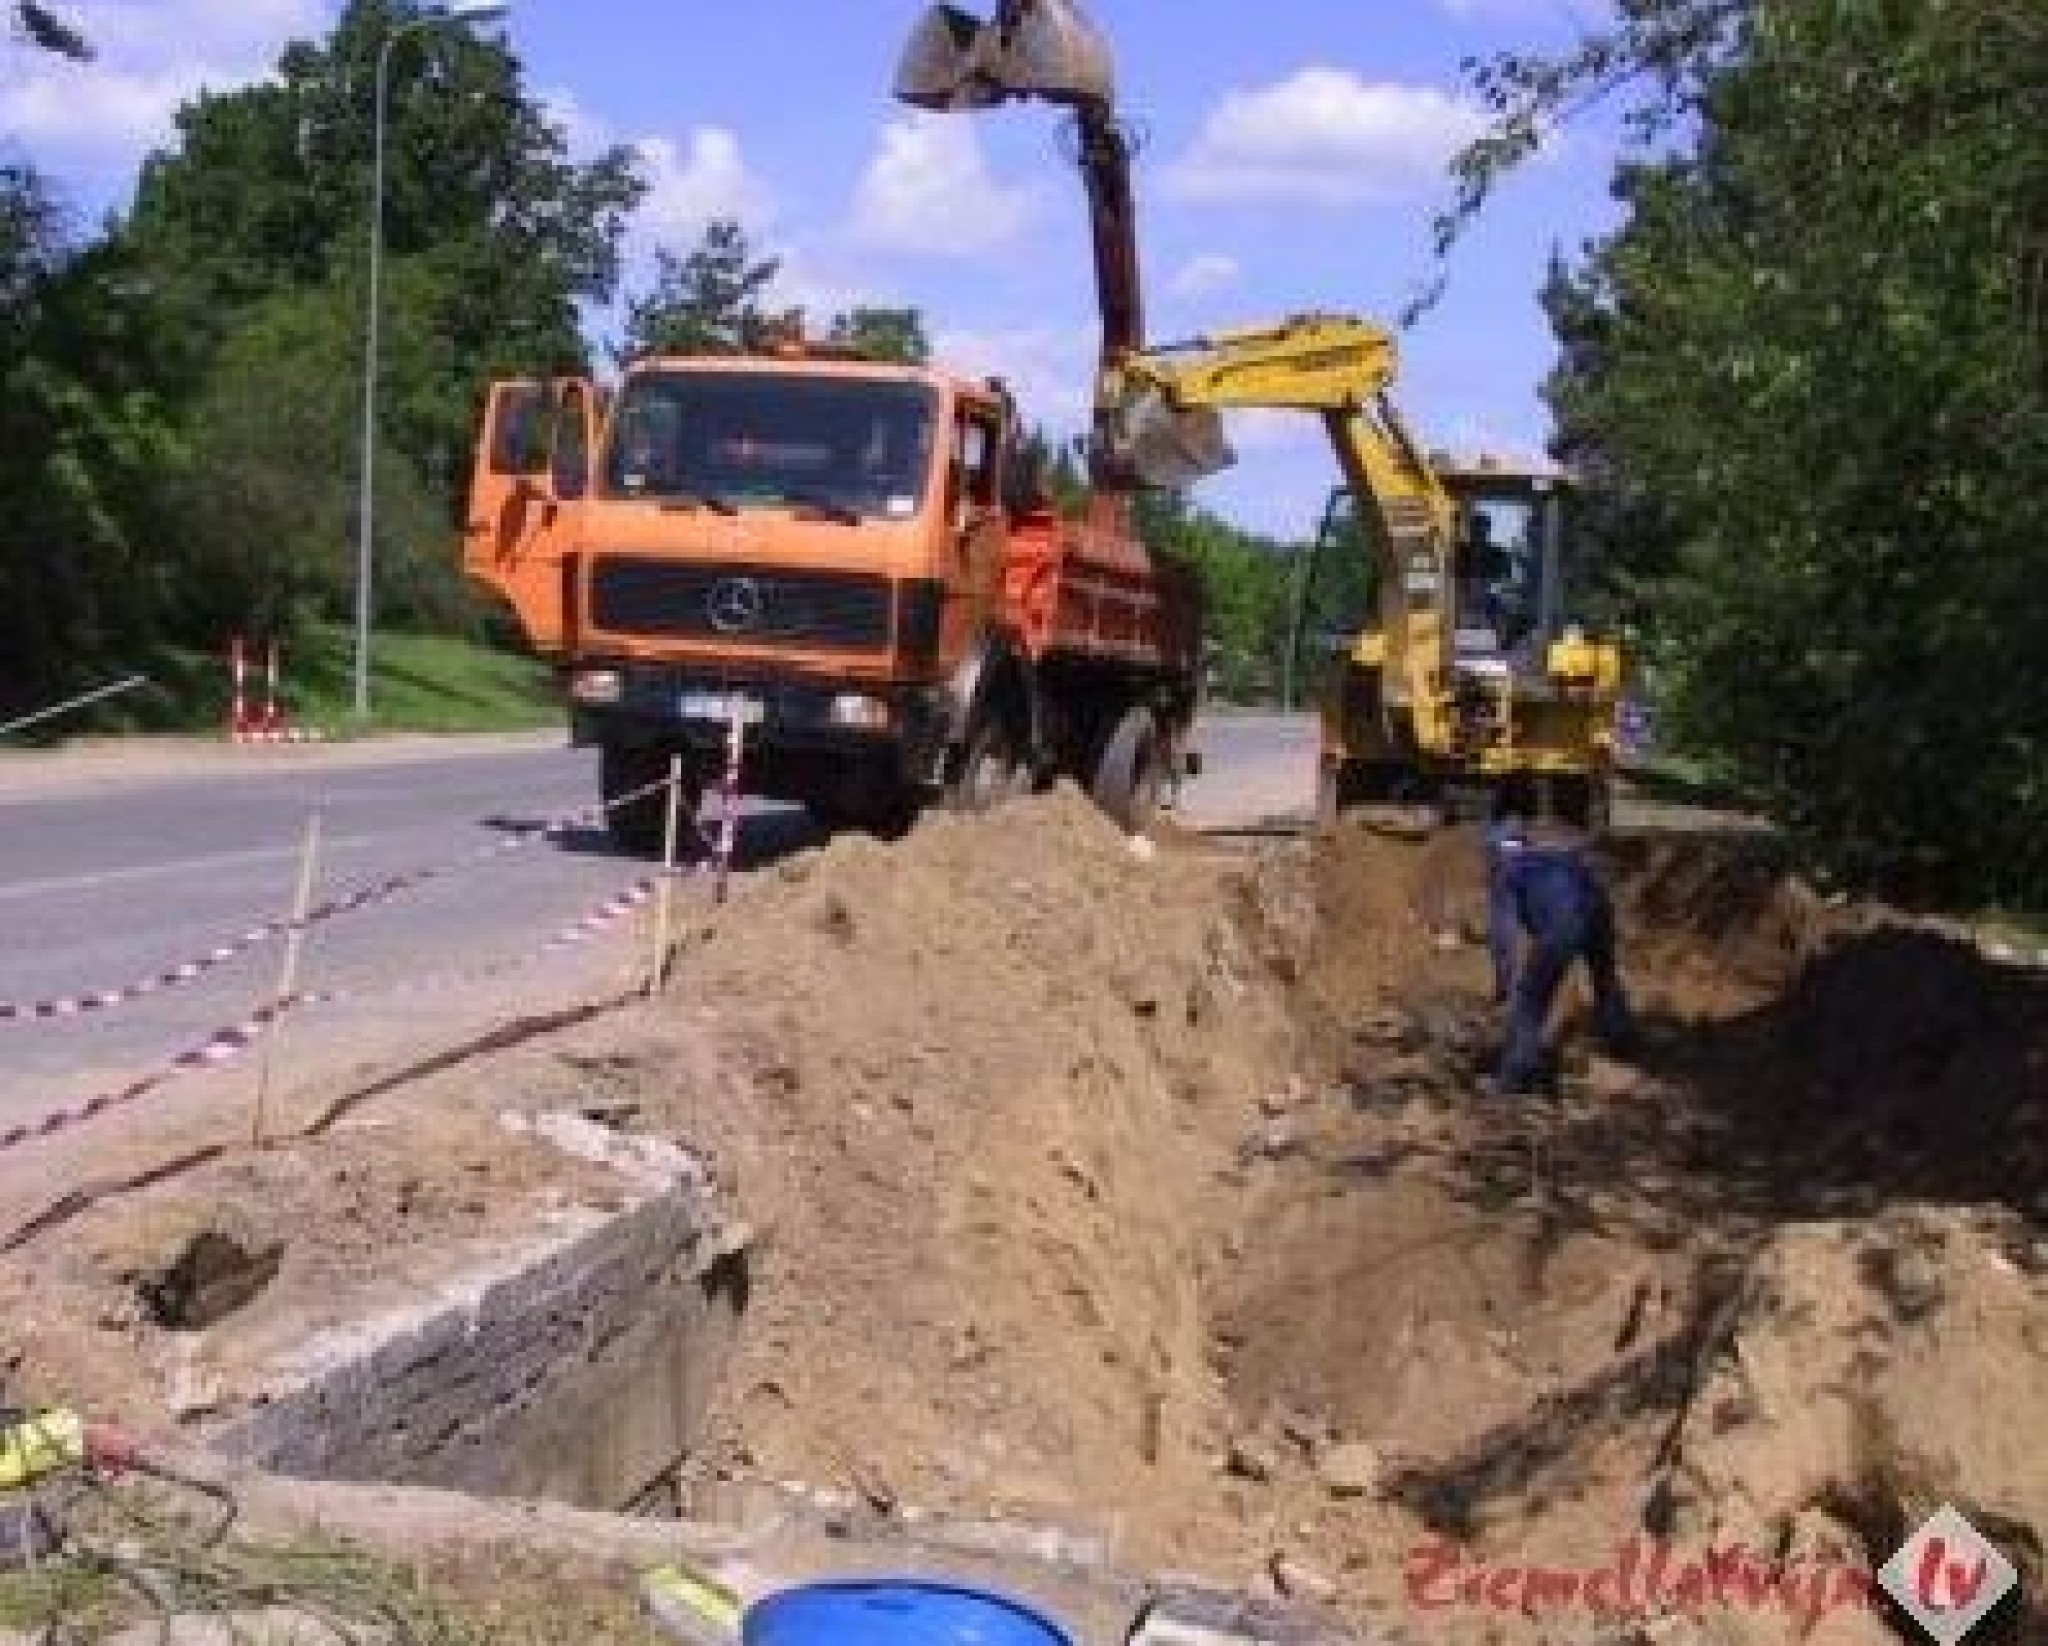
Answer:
(457, 11)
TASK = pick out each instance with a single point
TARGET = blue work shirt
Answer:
(1546, 889)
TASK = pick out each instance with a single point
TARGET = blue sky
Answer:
(1293, 155)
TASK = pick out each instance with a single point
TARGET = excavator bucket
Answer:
(1030, 48)
(1171, 448)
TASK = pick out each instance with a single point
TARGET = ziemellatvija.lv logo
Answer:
(1947, 1576)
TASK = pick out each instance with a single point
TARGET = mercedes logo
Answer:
(735, 604)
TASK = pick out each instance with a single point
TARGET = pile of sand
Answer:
(982, 1095)
(1145, 1187)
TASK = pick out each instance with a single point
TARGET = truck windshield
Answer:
(784, 439)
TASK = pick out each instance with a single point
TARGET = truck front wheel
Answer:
(1132, 771)
(631, 782)
(989, 769)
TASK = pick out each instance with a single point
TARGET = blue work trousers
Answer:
(1568, 918)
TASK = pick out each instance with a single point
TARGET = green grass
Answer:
(418, 683)
(2027, 931)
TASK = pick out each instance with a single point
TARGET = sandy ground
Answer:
(1146, 1189)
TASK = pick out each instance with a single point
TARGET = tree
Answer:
(494, 237)
(85, 581)
(1247, 591)
(883, 333)
(1813, 359)
(267, 503)
(707, 301)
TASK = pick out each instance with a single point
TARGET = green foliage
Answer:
(268, 191)
(181, 398)
(1058, 470)
(705, 301)
(1660, 54)
(883, 333)
(1247, 588)
(1810, 379)
(268, 501)
(88, 443)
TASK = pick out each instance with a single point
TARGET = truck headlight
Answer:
(861, 712)
(597, 685)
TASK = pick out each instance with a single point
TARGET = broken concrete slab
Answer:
(578, 1369)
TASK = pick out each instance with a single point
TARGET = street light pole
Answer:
(462, 11)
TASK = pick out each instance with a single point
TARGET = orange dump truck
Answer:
(853, 557)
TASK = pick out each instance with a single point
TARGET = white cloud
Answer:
(151, 56)
(1048, 369)
(1327, 137)
(928, 190)
(691, 184)
(816, 286)
(1201, 275)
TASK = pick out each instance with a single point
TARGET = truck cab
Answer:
(848, 557)
(811, 544)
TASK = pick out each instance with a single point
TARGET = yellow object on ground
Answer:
(38, 1446)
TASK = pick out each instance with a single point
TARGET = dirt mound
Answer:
(1717, 914)
(1515, 1310)
(1869, 1373)
(1147, 1187)
(989, 1077)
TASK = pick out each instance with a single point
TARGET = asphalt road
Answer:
(103, 884)
(107, 879)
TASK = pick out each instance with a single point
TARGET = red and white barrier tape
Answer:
(583, 929)
(223, 1046)
(61, 1007)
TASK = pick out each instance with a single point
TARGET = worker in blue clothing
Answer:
(1541, 884)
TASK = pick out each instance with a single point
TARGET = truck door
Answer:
(533, 471)
(974, 521)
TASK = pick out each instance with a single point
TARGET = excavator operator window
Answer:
(1499, 569)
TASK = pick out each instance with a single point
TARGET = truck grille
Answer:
(631, 595)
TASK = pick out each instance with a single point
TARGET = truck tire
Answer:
(640, 825)
(1344, 786)
(1132, 771)
(989, 768)
(888, 818)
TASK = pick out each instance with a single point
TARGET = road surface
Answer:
(107, 877)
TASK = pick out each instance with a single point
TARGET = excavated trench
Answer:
(1147, 1197)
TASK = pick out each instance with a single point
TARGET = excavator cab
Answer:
(1510, 564)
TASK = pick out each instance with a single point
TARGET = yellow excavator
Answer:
(1448, 665)
(1434, 594)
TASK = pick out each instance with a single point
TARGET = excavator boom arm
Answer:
(1050, 51)
(1339, 369)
